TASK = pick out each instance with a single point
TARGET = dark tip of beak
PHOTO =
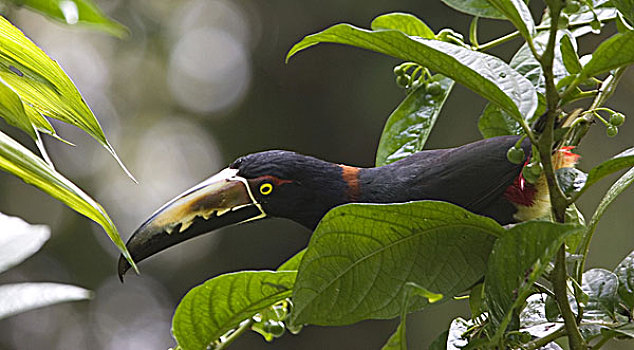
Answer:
(146, 242)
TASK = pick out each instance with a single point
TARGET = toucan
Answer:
(476, 176)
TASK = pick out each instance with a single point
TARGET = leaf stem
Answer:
(233, 336)
(540, 342)
(558, 280)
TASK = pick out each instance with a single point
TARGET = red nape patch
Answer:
(521, 192)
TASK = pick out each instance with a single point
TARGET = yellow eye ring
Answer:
(266, 188)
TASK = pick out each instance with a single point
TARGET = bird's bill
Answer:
(223, 199)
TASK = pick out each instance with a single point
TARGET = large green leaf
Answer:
(42, 84)
(362, 256)
(404, 22)
(613, 53)
(19, 240)
(20, 297)
(486, 75)
(625, 273)
(409, 126)
(518, 259)
(19, 161)
(620, 161)
(292, 264)
(222, 303)
(83, 12)
(478, 8)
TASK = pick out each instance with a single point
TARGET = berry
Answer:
(572, 7)
(531, 172)
(612, 130)
(564, 20)
(515, 155)
(399, 70)
(434, 88)
(402, 80)
(617, 119)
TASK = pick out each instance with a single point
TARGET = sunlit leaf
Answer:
(457, 329)
(361, 257)
(404, 22)
(19, 161)
(518, 259)
(12, 110)
(486, 75)
(83, 12)
(21, 297)
(41, 83)
(626, 7)
(409, 126)
(19, 240)
(220, 304)
(533, 317)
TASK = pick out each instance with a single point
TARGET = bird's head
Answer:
(260, 185)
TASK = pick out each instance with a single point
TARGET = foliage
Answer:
(33, 87)
(18, 241)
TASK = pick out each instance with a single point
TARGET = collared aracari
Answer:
(477, 176)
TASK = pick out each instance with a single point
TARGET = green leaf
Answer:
(518, 259)
(476, 300)
(397, 340)
(361, 257)
(569, 55)
(409, 126)
(42, 84)
(478, 8)
(626, 7)
(19, 240)
(518, 13)
(486, 75)
(612, 53)
(219, 305)
(620, 161)
(601, 286)
(403, 22)
(20, 297)
(19, 161)
(625, 273)
(83, 12)
(12, 110)
(292, 264)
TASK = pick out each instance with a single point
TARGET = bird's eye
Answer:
(266, 188)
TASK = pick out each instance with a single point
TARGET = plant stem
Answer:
(559, 278)
(233, 336)
(540, 342)
(558, 200)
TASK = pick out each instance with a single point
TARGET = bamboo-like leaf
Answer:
(19, 161)
(12, 110)
(41, 83)
(21, 297)
(82, 12)
(486, 75)
(19, 240)
(620, 161)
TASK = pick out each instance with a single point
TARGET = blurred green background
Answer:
(197, 84)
